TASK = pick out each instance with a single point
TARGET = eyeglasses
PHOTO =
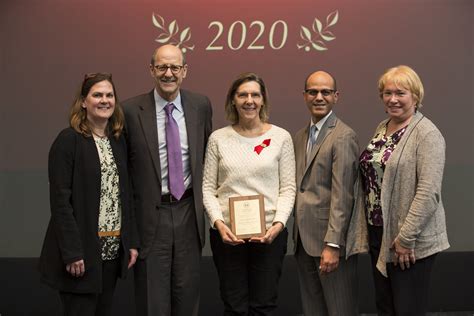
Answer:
(315, 92)
(175, 69)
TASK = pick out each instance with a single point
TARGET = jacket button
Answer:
(301, 190)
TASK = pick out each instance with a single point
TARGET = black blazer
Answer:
(144, 158)
(74, 181)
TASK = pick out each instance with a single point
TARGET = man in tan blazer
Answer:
(326, 170)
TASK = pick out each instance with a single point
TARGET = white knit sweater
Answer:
(233, 168)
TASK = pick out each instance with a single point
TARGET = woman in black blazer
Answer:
(91, 238)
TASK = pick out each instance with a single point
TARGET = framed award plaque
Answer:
(247, 216)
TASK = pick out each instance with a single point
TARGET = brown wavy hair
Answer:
(78, 115)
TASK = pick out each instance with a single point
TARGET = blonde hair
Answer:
(405, 77)
(78, 115)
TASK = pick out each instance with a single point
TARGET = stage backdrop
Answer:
(48, 45)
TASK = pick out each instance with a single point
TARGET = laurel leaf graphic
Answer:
(327, 36)
(317, 25)
(319, 45)
(305, 33)
(163, 38)
(176, 29)
(184, 34)
(171, 27)
(158, 21)
(332, 18)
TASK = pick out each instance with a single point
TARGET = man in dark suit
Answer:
(326, 153)
(167, 131)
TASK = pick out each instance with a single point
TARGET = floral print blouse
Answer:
(372, 165)
(110, 205)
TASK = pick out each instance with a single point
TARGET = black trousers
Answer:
(249, 274)
(93, 304)
(404, 292)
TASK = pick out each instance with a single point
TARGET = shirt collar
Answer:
(321, 122)
(160, 103)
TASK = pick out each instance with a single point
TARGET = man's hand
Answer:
(329, 259)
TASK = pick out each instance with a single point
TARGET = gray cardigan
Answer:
(412, 208)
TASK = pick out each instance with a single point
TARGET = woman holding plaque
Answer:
(247, 158)
(402, 171)
(92, 236)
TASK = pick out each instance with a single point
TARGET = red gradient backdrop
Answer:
(47, 46)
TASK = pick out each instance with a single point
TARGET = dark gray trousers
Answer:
(333, 294)
(167, 280)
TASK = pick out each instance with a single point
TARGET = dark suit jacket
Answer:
(325, 185)
(74, 181)
(144, 158)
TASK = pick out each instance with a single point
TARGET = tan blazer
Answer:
(325, 186)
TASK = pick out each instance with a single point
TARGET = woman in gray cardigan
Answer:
(404, 212)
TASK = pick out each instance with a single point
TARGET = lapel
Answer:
(301, 141)
(191, 119)
(147, 117)
(325, 131)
